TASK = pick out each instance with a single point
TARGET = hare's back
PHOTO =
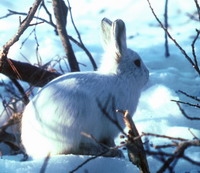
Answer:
(75, 90)
(91, 83)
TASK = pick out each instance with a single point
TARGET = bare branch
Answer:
(24, 71)
(192, 97)
(9, 138)
(36, 76)
(50, 22)
(105, 112)
(193, 48)
(186, 103)
(60, 12)
(14, 119)
(50, 17)
(24, 25)
(172, 159)
(192, 17)
(175, 42)
(191, 161)
(163, 136)
(198, 8)
(185, 114)
(88, 160)
(167, 54)
(21, 90)
(105, 151)
(37, 23)
(194, 136)
(44, 165)
(189, 104)
(80, 40)
(178, 153)
(134, 145)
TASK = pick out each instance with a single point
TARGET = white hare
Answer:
(53, 121)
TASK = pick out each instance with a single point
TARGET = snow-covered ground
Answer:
(156, 112)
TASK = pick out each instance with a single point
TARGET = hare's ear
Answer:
(106, 26)
(119, 36)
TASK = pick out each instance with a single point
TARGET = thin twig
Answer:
(106, 149)
(192, 17)
(193, 48)
(50, 17)
(192, 97)
(194, 136)
(187, 103)
(185, 114)
(21, 90)
(37, 23)
(175, 42)
(164, 136)
(24, 25)
(164, 146)
(80, 40)
(191, 160)
(174, 157)
(9, 138)
(198, 8)
(88, 160)
(60, 12)
(12, 12)
(167, 54)
(14, 119)
(94, 139)
(44, 165)
(178, 153)
(105, 112)
(50, 22)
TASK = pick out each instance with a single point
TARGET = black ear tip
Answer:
(106, 20)
(120, 24)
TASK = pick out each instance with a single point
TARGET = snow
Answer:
(156, 112)
(66, 164)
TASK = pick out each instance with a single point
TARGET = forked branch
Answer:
(134, 144)
(17, 70)
(23, 26)
(192, 62)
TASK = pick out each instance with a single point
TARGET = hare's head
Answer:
(118, 58)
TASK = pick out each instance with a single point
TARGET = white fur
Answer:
(53, 120)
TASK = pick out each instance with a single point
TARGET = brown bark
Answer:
(134, 145)
(24, 71)
(35, 75)
(60, 12)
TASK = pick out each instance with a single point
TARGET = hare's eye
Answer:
(137, 63)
